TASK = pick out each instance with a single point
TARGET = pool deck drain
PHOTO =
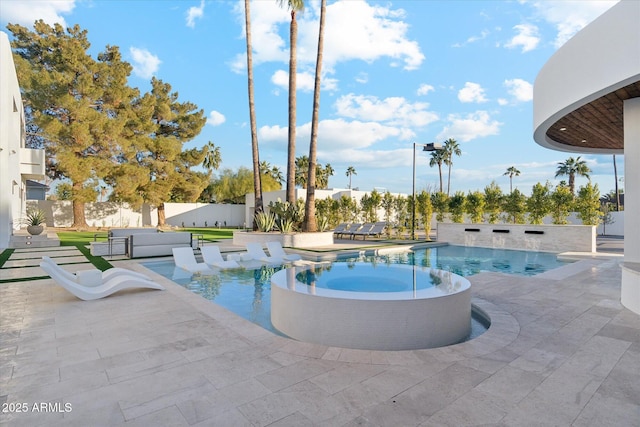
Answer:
(561, 351)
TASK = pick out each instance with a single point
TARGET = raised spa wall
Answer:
(544, 238)
(287, 240)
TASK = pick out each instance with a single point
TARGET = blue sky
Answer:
(395, 72)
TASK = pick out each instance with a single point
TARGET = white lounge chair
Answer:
(258, 254)
(94, 277)
(212, 256)
(185, 259)
(276, 251)
(109, 287)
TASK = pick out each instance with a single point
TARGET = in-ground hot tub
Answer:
(375, 307)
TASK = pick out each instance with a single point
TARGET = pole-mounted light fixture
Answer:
(432, 146)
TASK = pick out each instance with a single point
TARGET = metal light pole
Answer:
(432, 146)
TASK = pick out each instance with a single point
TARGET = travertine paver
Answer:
(561, 351)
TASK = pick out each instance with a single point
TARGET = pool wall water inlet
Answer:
(407, 320)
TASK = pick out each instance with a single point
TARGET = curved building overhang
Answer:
(578, 95)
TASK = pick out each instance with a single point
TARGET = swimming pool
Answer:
(248, 292)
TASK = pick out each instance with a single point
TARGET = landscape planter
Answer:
(35, 230)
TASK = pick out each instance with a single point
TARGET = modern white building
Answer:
(586, 99)
(17, 163)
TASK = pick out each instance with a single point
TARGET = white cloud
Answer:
(520, 89)
(502, 101)
(215, 118)
(145, 64)
(266, 42)
(569, 17)
(393, 110)
(527, 38)
(193, 13)
(472, 126)
(337, 134)
(27, 12)
(362, 78)
(425, 89)
(472, 92)
(305, 82)
(373, 32)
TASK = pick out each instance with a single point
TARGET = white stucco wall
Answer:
(11, 134)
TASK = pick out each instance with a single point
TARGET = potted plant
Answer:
(35, 221)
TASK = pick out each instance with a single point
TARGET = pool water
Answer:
(248, 292)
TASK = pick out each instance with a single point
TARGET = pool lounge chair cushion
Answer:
(107, 288)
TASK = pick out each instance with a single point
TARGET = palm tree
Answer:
(212, 157)
(511, 171)
(572, 167)
(257, 184)
(450, 149)
(309, 208)
(294, 5)
(437, 158)
(351, 171)
(302, 167)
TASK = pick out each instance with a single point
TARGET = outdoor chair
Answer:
(212, 256)
(362, 231)
(185, 259)
(341, 229)
(352, 228)
(375, 231)
(107, 288)
(258, 254)
(276, 251)
(93, 277)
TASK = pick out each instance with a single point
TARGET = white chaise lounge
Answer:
(107, 288)
(94, 277)
(276, 251)
(257, 253)
(185, 259)
(212, 257)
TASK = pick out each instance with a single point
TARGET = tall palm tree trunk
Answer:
(291, 150)
(310, 209)
(257, 184)
(440, 173)
(449, 179)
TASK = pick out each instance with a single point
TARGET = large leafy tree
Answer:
(294, 6)
(572, 167)
(310, 204)
(493, 202)
(450, 149)
(158, 151)
(539, 204)
(80, 106)
(257, 184)
(587, 204)
(562, 202)
(232, 186)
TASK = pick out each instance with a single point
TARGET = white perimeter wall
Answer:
(108, 214)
